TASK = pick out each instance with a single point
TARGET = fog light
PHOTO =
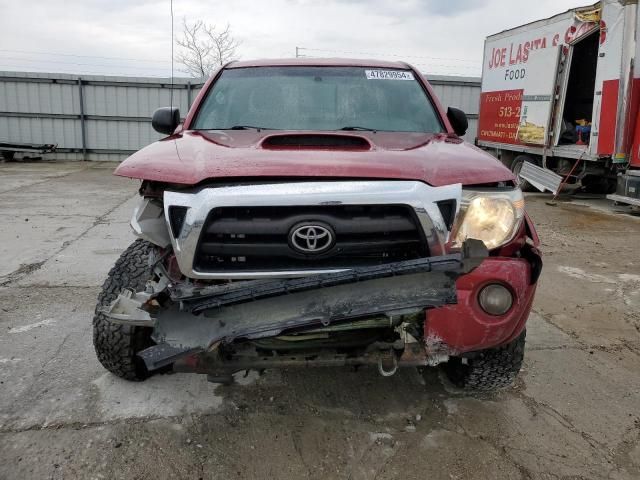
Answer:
(495, 299)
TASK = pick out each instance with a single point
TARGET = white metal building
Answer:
(108, 118)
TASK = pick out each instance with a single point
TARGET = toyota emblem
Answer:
(311, 238)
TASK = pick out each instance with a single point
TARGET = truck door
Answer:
(539, 96)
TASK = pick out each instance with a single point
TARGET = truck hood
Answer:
(191, 157)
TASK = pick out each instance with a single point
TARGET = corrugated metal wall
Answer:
(116, 111)
(462, 93)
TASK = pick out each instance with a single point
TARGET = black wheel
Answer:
(491, 369)
(599, 185)
(516, 166)
(116, 345)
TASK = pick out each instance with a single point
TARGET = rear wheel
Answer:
(8, 156)
(599, 184)
(117, 345)
(516, 166)
(491, 369)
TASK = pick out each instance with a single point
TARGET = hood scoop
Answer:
(313, 141)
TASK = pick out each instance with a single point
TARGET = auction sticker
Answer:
(389, 75)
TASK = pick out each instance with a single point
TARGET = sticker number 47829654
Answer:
(389, 75)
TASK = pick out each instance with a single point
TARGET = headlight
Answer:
(491, 216)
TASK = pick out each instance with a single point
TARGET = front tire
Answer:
(491, 369)
(117, 345)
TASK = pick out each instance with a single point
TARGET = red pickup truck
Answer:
(315, 212)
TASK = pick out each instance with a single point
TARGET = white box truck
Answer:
(560, 96)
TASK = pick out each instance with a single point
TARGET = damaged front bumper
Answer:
(190, 323)
(465, 328)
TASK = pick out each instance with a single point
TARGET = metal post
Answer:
(83, 129)
(188, 95)
(297, 53)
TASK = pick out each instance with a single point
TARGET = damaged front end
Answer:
(371, 315)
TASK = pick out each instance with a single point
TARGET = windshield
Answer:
(318, 98)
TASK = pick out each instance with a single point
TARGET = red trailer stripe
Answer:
(607, 122)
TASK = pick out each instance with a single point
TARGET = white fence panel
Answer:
(115, 112)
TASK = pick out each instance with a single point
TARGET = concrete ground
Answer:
(574, 412)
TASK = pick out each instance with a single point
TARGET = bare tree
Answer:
(203, 47)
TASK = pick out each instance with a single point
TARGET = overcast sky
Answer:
(132, 37)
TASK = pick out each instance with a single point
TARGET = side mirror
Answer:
(165, 120)
(458, 120)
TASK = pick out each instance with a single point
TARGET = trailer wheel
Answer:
(516, 166)
(599, 185)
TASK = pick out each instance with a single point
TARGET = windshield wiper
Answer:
(246, 127)
(362, 129)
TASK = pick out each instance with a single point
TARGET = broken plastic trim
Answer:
(127, 309)
(265, 308)
(199, 299)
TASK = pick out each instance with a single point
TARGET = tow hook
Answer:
(384, 359)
